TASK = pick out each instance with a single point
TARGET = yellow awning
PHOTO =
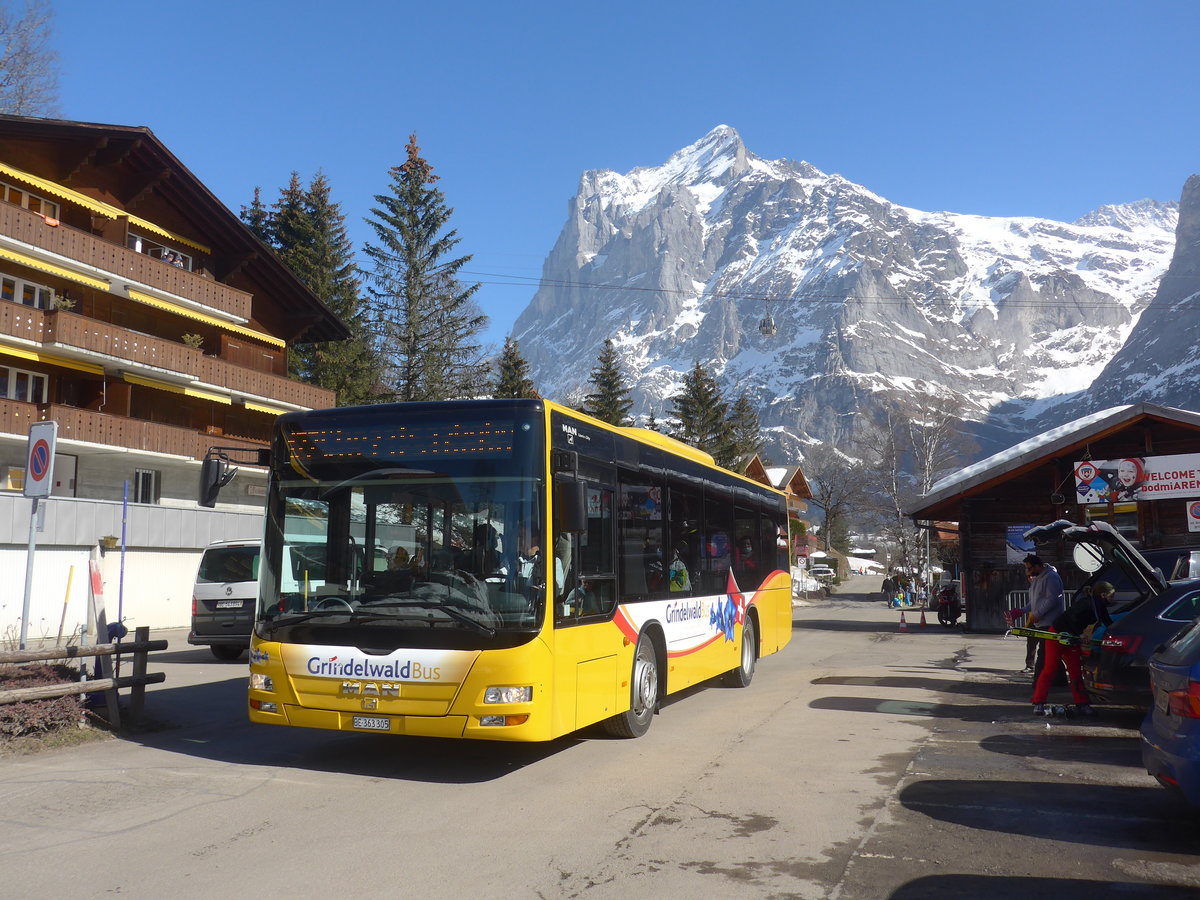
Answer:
(263, 408)
(186, 390)
(34, 263)
(63, 193)
(150, 300)
(51, 360)
(96, 206)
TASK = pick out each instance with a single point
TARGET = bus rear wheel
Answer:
(643, 694)
(744, 673)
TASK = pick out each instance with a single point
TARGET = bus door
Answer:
(586, 642)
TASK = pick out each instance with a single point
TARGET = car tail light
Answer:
(1121, 643)
(1185, 703)
(193, 604)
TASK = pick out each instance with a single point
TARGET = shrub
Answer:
(38, 716)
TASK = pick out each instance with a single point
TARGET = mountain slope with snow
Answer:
(872, 302)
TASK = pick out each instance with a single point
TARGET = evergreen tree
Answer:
(307, 231)
(745, 430)
(512, 374)
(258, 219)
(700, 413)
(610, 401)
(428, 323)
(352, 368)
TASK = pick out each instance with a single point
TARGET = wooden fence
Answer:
(140, 649)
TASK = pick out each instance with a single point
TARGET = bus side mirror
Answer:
(570, 502)
(215, 473)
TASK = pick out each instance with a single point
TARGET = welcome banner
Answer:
(1138, 478)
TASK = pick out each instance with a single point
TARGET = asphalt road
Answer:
(862, 763)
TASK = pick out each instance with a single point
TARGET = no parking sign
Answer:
(1193, 515)
(39, 460)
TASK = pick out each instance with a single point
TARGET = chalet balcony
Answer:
(85, 247)
(115, 431)
(68, 329)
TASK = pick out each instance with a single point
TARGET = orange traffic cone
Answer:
(903, 624)
(922, 618)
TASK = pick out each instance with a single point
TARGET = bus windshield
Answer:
(420, 532)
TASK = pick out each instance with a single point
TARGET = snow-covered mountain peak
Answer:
(822, 301)
(1134, 216)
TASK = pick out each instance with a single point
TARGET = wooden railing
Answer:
(80, 332)
(120, 260)
(117, 431)
(137, 682)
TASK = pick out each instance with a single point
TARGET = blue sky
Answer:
(1047, 108)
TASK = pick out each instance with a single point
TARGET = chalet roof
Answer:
(791, 479)
(1020, 458)
(131, 168)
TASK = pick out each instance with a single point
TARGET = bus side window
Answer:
(718, 543)
(747, 567)
(685, 536)
(640, 538)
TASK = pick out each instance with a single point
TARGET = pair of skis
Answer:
(1067, 640)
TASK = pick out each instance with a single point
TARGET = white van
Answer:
(224, 597)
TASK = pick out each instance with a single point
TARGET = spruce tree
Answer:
(610, 401)
(258, 219)
(427, 321)
(745, 429)
(307, 231)
(353, 367)
(512, 374)
(700, 413)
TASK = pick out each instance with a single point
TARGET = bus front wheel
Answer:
(643, 694)
(744, 673)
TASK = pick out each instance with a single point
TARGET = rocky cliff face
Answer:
(1160, 361)
(871, 301)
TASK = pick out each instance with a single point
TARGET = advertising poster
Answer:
(1138, 478)
(1017, 547)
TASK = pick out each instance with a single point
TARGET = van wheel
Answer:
(744, 673)
(226, 652)
(643, 694)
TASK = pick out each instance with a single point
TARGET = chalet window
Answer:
(17, 384)
(32, 202)
(17, 290)
(146, 485)
(158, 251)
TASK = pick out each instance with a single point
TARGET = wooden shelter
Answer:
(1077, 472)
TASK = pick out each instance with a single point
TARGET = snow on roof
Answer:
(1042, 445)
(1016, 451)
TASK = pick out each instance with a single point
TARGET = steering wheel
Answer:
(331, 602)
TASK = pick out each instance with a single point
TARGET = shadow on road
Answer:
(999, 887)
(1077, 748)
(1089, 814)
(208, 721)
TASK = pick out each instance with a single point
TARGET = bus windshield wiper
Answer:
(296, 618)
(448, 608)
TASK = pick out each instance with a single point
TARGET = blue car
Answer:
(1171, 731)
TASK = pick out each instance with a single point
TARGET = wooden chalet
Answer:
(138, 312)
(145, 319)
(1069, 472)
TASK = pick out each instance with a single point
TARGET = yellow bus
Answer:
(503, 569)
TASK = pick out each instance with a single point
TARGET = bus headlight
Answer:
(508, 694)
(260, 682)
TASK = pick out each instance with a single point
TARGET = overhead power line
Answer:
(539, 282)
